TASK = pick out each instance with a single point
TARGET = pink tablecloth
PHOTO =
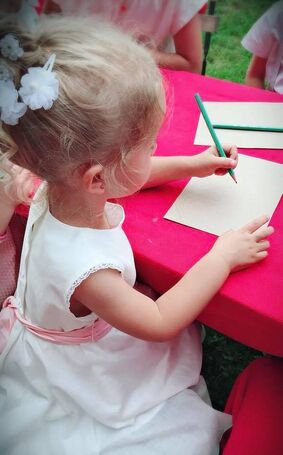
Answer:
(249, 307)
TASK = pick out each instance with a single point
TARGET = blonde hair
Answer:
(110, 97)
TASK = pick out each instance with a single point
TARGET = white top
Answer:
(156, 19)
(265, 40)
(109, 396)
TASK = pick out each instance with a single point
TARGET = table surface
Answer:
(249, 307)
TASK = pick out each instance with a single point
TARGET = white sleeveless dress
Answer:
(116, 396)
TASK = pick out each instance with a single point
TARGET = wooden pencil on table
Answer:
(269, 129)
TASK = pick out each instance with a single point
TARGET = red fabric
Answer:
(249, 307)
(203, 9)
(40, 6)
(256, 403)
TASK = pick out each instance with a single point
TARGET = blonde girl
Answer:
(92, 366)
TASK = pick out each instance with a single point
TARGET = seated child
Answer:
(265, 42)
(91, 365)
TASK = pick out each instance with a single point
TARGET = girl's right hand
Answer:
(245, 246)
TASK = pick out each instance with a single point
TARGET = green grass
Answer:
(227, 59)
(224, 358)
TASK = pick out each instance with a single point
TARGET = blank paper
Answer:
(216, 204)
(244, 114)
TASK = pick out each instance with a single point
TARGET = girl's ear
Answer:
(92, 179)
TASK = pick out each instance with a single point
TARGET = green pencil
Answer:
(213, 134)
(249, 128)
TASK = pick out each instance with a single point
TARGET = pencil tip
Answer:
(234, 178)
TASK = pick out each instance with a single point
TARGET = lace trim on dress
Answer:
(85, 275)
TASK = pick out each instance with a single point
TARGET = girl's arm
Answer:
(7, 208)
(7, 203)
(16, 187)
(6, 214)
(255, 76)
(188, 46)
(167, 168)
(106, 294)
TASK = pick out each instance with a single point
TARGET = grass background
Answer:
(224, 358)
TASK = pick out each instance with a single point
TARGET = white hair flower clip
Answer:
(5, 73)
(40, 87)
(10, 47)
(11, 109)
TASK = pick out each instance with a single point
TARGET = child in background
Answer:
(172, 26)
(92, 365)
(265, 42)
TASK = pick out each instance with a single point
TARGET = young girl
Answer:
(92, 365)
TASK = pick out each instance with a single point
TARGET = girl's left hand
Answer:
(209, 162)
(17, 184)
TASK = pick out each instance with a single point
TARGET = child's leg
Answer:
(256, 403)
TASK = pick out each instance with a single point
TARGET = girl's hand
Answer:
(209, 162)
(245, 246)
(16, 184)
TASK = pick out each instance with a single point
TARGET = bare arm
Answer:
(14, 190)
(7, 203)
(255, 75)
(107, 295)
(7, 209)
(188, 45)
(167, 168)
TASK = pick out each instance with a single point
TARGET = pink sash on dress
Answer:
(89, 333)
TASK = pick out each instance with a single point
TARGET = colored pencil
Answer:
(248, 128)
(213, 134)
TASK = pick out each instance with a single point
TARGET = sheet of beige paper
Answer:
(245, 114)
(215, 204)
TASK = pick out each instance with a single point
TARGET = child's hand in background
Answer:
(209, 162)
(16, 184)
(245, 246)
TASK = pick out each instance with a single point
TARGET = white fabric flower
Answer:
(10, 47)
(5, 73)
(11, 109)
(40, 87)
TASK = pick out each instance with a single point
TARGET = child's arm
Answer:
(7, 208)
(7, 203)
(168, 168)
(108, 295)
(15, 188)
(188, 46)
(255, 76)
